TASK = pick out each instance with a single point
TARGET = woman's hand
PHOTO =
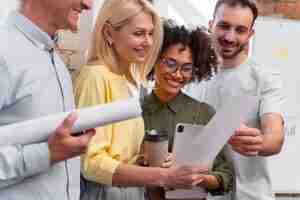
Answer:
(183, 177)
(169, 161)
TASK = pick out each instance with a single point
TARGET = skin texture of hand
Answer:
(266, 141)
(169, 161)
(185, 177)
(62, 145)
(209, 182)
(247, 141)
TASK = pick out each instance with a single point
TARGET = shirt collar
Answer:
(154, 104)
(32, 32)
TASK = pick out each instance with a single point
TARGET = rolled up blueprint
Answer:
(38, 130)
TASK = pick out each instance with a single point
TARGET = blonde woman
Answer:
(125, 43)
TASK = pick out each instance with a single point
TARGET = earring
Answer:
(109, 42)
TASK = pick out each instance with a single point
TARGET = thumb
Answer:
(66, 126)
(69, 121)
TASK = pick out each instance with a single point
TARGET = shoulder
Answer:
(89, 79)
(267, 77)
(198, 106)
(197, 89)
(10, 39)
(92, 74)
(262, 71)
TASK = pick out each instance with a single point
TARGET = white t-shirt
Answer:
(253, 181)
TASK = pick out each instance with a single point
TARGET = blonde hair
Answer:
(118, 13)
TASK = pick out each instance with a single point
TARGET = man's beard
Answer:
(232, 55)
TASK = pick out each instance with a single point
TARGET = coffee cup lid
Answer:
(155, 136)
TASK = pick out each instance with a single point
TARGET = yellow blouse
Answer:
(113, 144)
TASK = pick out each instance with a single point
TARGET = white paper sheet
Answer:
(37, 130)
(203, 146)
(182, 140)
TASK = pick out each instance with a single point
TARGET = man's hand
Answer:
(247, 141)
(62, 145)
(184, 177)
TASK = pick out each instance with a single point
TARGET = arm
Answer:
(220, 179)
(184, 177)
(271, 114)
(99, 162)
(267, 140)
(273, 134)
(18, 162)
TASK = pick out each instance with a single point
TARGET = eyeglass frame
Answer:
(172, 70)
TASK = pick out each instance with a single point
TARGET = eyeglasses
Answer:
(172, 66)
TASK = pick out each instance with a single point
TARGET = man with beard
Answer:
(262, 133)
(34, 82)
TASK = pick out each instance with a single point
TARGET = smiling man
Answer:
(34, 82)
(262, 133)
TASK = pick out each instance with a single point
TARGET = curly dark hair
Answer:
(175, 34)
(198, 40)
(205, 56)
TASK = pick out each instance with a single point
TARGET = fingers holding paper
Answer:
(185, 177)
(247, 141)
(62, 145)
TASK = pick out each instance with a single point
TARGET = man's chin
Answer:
(74, 29)
(228, 56)
(73, 26)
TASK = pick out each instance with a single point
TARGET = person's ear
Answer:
(107, 32)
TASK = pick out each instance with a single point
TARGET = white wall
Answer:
(188, 12)
(6, 7)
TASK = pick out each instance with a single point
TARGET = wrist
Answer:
(163, 177)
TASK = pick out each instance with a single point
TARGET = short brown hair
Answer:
(243, 3)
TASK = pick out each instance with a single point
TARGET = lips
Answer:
(227, 48)
(140, 52)
(174, 84)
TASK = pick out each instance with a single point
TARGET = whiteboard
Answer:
(276, 45)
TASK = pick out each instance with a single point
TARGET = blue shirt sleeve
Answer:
(18, 162)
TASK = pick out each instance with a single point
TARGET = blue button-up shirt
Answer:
(33, 82)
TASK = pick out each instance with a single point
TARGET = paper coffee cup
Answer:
(156, 147)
